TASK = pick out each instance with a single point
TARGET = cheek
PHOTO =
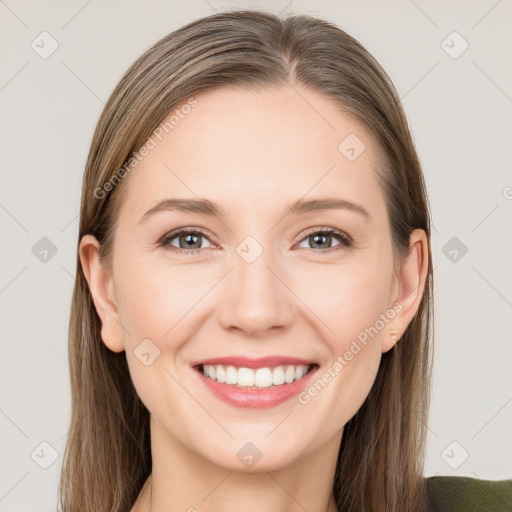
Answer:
(164, 301)
(156, 304)
(346, 299)
(352, 327)
(154, 297)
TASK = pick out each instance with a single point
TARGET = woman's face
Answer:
(253, 279)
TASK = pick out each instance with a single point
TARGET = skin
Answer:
(297, 299)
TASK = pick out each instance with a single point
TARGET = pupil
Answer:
(319, 236)
(189, 240)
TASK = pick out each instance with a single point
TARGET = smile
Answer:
(256, 383)
(259, 378)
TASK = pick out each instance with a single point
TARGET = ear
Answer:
(101, 286)
(411, 283)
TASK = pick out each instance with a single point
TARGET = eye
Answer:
(188, 240)
(322, 238)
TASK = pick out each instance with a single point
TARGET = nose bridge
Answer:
(254, 298)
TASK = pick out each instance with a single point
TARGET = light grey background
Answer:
(459, 111)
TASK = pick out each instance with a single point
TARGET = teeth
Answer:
(262, 377)
(245, 377)
(259, 378)
(231, 375)
(289, 374)
(212, 372)
(278, 376)
(221, 374)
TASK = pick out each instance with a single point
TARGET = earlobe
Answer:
(411, 285)
(101, 286)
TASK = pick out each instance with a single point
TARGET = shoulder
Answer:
(465, 494)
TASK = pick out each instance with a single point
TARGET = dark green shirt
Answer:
(464, 494)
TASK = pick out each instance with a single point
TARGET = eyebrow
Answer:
(209, 208)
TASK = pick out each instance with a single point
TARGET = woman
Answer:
(252, 312)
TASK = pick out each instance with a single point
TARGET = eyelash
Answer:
(344, 239)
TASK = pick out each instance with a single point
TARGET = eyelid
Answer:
(177, 231)
(346, 238)
(323, 229)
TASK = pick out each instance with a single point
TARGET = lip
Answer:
(255, 398)
(247, 362)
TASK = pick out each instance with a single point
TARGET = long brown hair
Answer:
(380, 461)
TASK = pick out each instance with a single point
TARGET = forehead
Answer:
(245, 148)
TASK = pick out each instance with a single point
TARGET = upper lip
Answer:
(247, 362)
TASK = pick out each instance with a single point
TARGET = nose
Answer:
(255, 298)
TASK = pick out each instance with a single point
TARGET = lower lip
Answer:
(256, 398)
